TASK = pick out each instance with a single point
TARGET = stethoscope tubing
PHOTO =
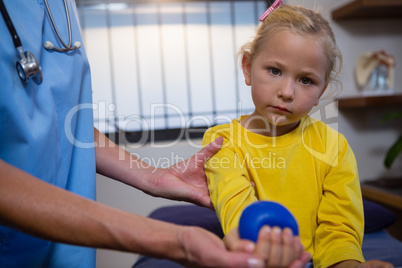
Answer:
(66, 47)
(10, 26)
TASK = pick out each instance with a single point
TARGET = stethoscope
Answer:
(28, 66)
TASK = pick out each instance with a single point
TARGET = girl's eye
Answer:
(275, 71)
(305, 81)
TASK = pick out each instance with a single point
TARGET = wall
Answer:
(367, 136)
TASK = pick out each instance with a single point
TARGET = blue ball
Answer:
(261, 213)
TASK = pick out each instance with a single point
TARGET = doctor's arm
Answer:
(184, 181)
(46, 211)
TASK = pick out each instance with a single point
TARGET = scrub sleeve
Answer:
(46, 130)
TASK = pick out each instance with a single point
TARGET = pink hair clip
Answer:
(276, 4)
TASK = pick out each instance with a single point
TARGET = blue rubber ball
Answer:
(263, 213)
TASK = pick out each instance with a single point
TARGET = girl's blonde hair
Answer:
(302, 21)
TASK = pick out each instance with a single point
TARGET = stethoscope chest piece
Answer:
(28, 67)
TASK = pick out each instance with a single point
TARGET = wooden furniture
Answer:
(359, 9)
(384, 191)
(369, 9)
(387, 192)
(370, 101)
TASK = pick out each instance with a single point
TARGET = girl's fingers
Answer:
(305, 258)
(275, 256)
(234, 243)
(263, 243)
(288, 255)
(298, 247)
(244, 246)
(280, 248)
(302, 261)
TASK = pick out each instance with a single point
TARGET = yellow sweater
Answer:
(311, 170)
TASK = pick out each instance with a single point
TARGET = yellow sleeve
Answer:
(340, 215)
(228, 182)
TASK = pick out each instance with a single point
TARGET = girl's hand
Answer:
(375, 264)
(278, 248)
(367, 264)
(233, 242)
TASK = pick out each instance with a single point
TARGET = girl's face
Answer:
(287, 78)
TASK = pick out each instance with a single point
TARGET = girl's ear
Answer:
(319, 97)
(246, 67)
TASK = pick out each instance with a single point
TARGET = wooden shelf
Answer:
(370, 101)
(370, 9)
(384, 191)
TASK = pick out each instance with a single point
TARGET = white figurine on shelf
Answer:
(375, 72)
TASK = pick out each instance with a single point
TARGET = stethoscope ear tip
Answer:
(77, 44)
(48, 45)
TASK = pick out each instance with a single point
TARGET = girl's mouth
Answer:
(281, 109)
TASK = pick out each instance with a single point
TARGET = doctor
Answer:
(47, 184)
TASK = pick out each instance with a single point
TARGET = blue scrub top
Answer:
(46, 130)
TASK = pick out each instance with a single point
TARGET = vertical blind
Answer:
(160, 65)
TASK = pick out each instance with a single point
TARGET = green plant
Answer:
(396, 148)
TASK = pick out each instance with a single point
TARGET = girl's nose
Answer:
(286, 90)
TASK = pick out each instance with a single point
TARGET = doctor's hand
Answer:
(186, 181)
(205, 249)
(279, 248)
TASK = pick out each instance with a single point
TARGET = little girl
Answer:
(279, 153)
